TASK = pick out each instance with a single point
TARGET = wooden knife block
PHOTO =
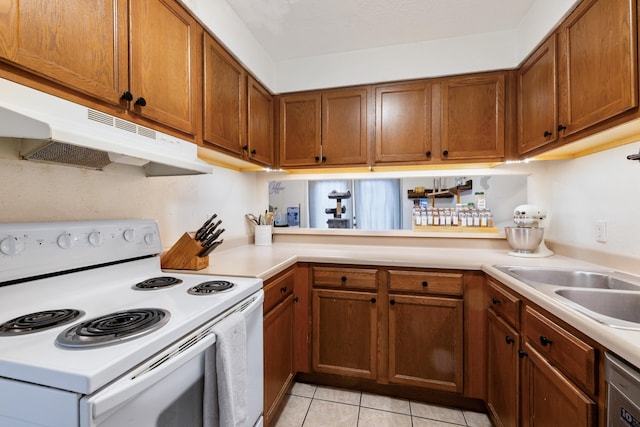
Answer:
(183, 255)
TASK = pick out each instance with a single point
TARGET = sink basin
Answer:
(617, 309)
(593, 279)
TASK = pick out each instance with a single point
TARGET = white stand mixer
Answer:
(526, 239)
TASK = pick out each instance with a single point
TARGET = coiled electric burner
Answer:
(157, 283)
(211, 287)
(113, 328)
(38, 321)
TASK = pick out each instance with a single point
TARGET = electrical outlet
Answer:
(601, 231)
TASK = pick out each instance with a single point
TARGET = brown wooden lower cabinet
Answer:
(278, 324)
(503, 379)
(549, 399)
(426, 341)
(345, 333)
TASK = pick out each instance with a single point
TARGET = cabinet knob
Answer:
(296, 299)
(317, 158)
(547, 134)
(283, 289)
(127, 96)
(561, 128)
(522, 354)
(245, 148)
(545, 341)
(373, 300)
(508, 339)
(343, 279)
(425, 284)
(253, 151)
(495, 300)
(324, 158)
(392, 302)
(428, 153)
(141, 102)
(445, 153)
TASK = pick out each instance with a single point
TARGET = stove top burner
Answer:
(112, 328)
(211, 287)
(157, 283)
(39, 321)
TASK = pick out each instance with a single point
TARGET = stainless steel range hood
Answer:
(54, 130)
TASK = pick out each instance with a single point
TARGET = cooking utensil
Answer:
(205, 236)
(212, 238)
(204, 226)
(207, 251)
(252, 218)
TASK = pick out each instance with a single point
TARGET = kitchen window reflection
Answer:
(374, 204)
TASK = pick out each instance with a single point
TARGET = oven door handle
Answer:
(150, 373)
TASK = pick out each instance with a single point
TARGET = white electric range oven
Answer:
(94, 333)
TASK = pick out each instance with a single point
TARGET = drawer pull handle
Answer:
(495, 300)
(425, 284)
(343, 278)
(373, 300)
(522, 354)
(508, 339)
(547, 134)
(283, 289)
(392, 302)
(296, 299)
(545, 341)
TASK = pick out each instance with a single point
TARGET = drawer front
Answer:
(426, 282)
(574, 357)
(277, 290)
(344, 277)
(504, 303)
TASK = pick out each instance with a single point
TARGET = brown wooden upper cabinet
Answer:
(143, 58)
(403, 123)
(595, 79)
(80, 44)
(327, 128)
(260, 147)
(473, 117)
(224, 100)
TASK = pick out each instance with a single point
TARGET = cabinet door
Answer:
(403, 123)
(344, 127)
(473, 115)
(224, 98)
(598, 66)
(260, 123)
(538, 99)
(80, 44)
(163, 63)
(345, 333)
(503, 383)
(426, 342)
(300, 130)
(278, 355)
(549, 398)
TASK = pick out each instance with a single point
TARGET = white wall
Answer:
(579, 192)
(32, 191)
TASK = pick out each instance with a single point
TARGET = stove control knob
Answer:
(129, 235)
(96, 238)
(67, 241)
(150, 238)
(11, 245)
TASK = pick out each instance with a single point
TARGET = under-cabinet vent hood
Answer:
(54, 130)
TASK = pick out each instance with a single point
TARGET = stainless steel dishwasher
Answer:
(623, 392)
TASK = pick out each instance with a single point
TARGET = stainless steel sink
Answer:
(610, 297)
(593, 279)
(617, 309)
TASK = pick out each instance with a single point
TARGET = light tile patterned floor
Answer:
(309, 405)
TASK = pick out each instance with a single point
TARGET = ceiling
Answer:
(292, 29)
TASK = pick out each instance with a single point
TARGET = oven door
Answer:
(167, 391)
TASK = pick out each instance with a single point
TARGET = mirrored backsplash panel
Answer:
(388, 203)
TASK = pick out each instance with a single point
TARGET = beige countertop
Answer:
(266, 261)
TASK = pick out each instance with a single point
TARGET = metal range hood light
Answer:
(54, 130)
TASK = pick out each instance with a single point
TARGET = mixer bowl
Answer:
(524, 239)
